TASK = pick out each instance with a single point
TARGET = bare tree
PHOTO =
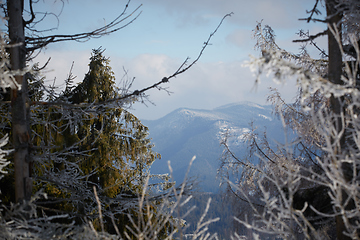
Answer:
(311, 194)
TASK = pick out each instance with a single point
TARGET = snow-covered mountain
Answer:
(184, 133)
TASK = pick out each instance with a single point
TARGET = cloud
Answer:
(241, 38)
(205, 85)
(282, 13)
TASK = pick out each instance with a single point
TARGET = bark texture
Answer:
(19, 102)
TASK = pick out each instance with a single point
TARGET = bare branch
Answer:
(38, 42)
(31, 12)
(181, 70)
(140, 92)
(312, 37)
(228, 150)
(313, 11)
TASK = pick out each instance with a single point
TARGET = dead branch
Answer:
(312, 37)
(140, 92)
(39, 42)
(313, 11)
(31, 12)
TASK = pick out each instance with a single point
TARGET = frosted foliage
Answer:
(351, 15)
(168, 213)
(334, 172)
(271, 63)
(3, 161)
(24, 221)
(7, 79)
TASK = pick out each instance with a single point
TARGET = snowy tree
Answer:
(310, 191)
(59, 138)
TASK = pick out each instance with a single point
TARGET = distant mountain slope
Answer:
(184, 133)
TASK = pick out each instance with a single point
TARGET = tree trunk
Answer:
(334, 75)
(19, 102)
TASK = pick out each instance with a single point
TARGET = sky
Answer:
(167, 32)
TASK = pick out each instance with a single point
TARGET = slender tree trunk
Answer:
(334, 74)
(335, 71)
(19, 102)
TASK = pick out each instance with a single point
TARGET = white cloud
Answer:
(205, 85)
(282, 13)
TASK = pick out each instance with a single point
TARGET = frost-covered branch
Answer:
(316, 194)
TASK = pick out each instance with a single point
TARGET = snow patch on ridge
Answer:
(235, 135)
(202, 114)
(266, 117)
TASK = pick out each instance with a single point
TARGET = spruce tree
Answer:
(115, 139)
(110, 148)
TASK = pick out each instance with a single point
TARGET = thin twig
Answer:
(313, 10)
(312, 37)
(99, 207)
(40, 42)
(137, 93)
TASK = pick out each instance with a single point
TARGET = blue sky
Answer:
(168, 31)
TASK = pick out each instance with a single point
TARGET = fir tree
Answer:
(116, 141)
(111, 150)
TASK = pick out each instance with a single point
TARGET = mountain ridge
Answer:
(185, 132)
